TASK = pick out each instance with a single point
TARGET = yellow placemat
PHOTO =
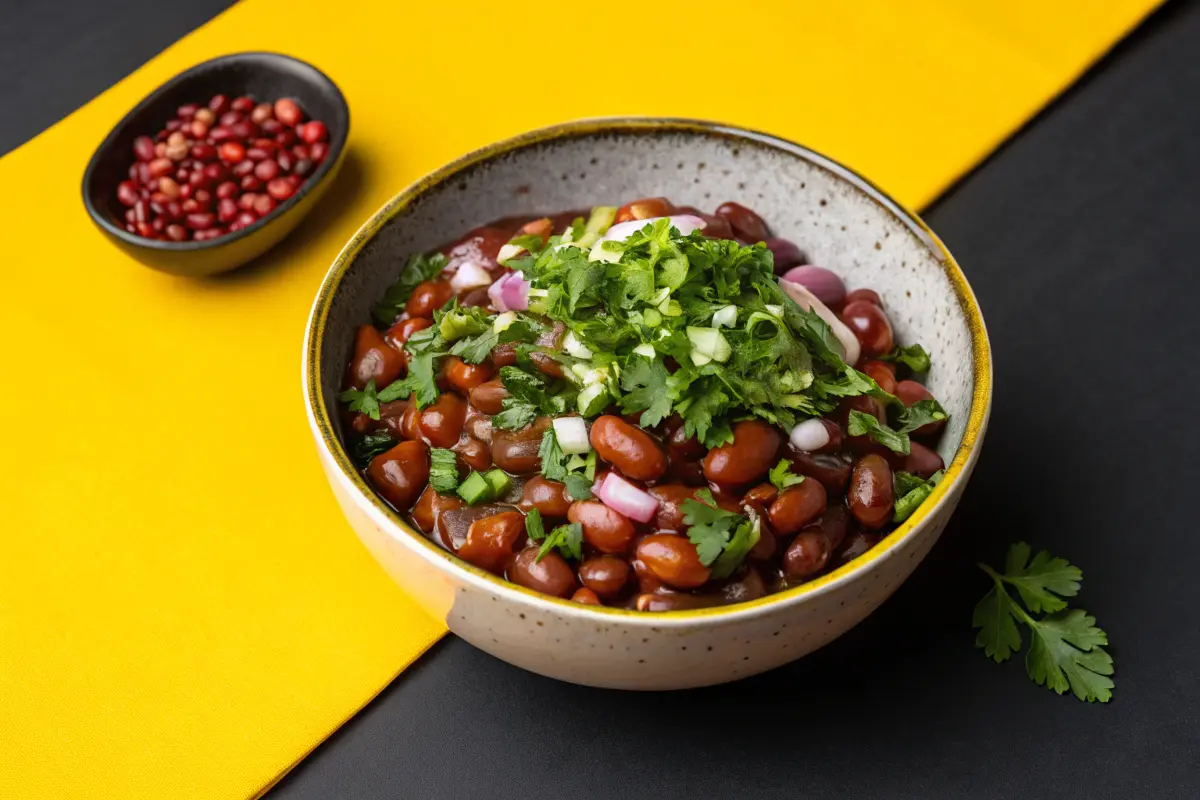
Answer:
(183, 612)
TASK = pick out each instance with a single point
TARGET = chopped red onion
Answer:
(623, 497)
(825, 285)
(686, 223)
(809, 302)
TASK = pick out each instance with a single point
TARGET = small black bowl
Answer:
(263, 76)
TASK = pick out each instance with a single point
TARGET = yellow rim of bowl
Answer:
(981, 350)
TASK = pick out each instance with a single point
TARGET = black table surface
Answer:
(1079, 237)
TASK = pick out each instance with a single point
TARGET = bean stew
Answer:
(645, 407)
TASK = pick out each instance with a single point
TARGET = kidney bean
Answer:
(464, 376)
(870, 496)
(750, 456)
(866, 295)
(761, 497)
(246, 201)
(797, 506)
(882, 373)
(429, 507)
(547, 496)
(714, 227)
(490, 541)
(504, 355)
(428, 297)
(607, 576)
(856, 544)
(552, 575)
(442, 422)
(243, 104)
(285, 138)
(870, 325)
(787, 255)
(489, 396)
(645, 208)
(670, 498)
(400, 474)
(673, 560)
(586, 596)
(834, 523)
(646, 580)
(807, 555)
(675, 601)
(832, 470)
(910, 392)
(479, 426)
(547, 364)
(516, 452)
(603, 528)
(473, 453)
(410, 422)
(922, 461)
(628, 448)
(681, 447)
(373, 359)
(747, 225)
(764, 549)
(400, 332)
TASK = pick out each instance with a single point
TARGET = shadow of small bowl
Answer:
(265, 76)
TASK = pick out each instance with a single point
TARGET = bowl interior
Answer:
(838, 219)
(264, 76)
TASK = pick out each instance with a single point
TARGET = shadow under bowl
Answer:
(263, 76)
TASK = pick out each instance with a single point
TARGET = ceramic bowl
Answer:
(836, 216)
(260, 75)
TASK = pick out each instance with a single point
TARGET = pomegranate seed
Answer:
(243, 168)
(126, 193)
(233, 152)
(174, 125)
(227, 189)
(229, 118)
(206, 116)
(203, 198)
(244, 130)
(300, 151)
(219, 104)
(280, 189)
(143, 148)
(175, 139)
(144, 229)
(246, 218)
(286, 161)
(198, 129)
(200, 221)
(318, 151)
(168, 187)
(258, 154)
(158, 224)
(271, 127)
(287, 112)
(176, 233)
(190, 206)
(219, 134)
(302, 167)
(313, 132)
(261, 113)
(141, 211)
(227, 210)
(265, 144)
(266, 170)
(285, 138)
(130, 216)
(160, 167)
(246, 201)
(197, 180)
(264, 205)
(250, 183)
(174, 211)
(204, 152)
(216, 172)
(187, 111)
(243, 104)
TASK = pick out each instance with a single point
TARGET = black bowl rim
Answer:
(337, 143)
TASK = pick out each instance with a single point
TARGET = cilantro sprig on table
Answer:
(1066, 648)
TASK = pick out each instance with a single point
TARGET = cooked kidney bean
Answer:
(504, 355)
(675, 601)
(749, 587)
(922, 461)
(400, 474)
(753, 452)
(586, 596)
(797, 506)
(681, 447)
(646, 208)
(866, 295)
(374, 360)
(552, 575)
(870, 325)
(628, 448)
(489, 396)
(761, 497)
(673, 560)
(479, 426)
(399, 333)
(882, 373)
(453, 523)
(764, 549)
(834, 524)
(490, 541)
(670, 498)
(910, 392)
(473, 453)
(747, 226)
(871, 495)
(516, 452)
(480, 246)
(787, 255)
(410, 422)
(603, 528)
(547, 496)
(442, 422)
(607, 576)
(430, 506)
(855, 545)
(807, 554)
(428, 297)
(464, 376)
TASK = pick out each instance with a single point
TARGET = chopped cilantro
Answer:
(552, 457)
(567, 539)
(710, 527)
(579, 487)
(533, 525)
(920, 413)
(740, 545)
(645, 382)
(443, 470)
(364, 401)
(371, 445)
(860, 423)
(781, 475)
(913, 356)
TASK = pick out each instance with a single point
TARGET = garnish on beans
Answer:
(645, 407)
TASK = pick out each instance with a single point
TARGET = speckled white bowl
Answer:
(837, 217)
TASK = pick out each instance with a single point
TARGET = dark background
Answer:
(1079, 237)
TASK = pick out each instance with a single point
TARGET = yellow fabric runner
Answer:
(183, 611)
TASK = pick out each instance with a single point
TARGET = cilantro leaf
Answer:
(645, 383)
(709, 527)
(740, 545)
(567, 539)
(420, 374)
(1065, 652)
(443, 470)
(457, 322)
(371, 445)
(996, 617)
(516, 414)
(474, 349)
(533, 525)
(781, 475)
(397, 390)
(419, 268)
(860, 423)
(920, 413)
(579, 486)
(1043, 582)
(913, 356)
(552, 457)
(364, 401)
